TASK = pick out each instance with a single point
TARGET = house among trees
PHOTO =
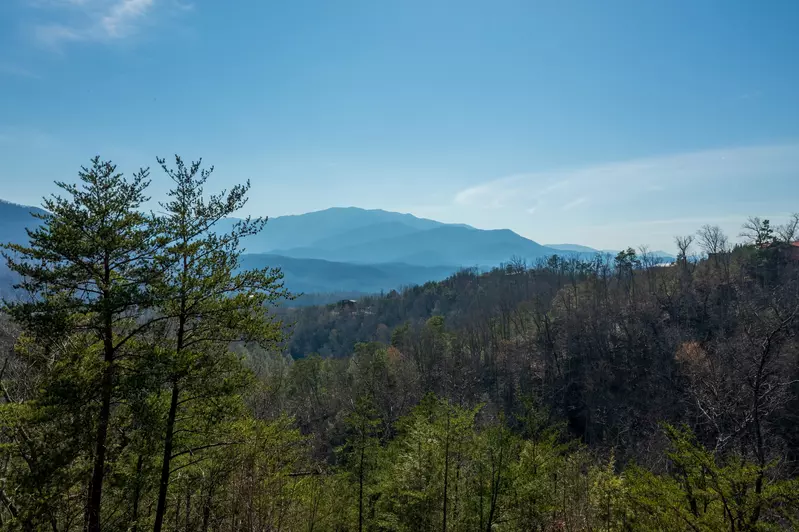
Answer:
(347, 304)
(787, 250)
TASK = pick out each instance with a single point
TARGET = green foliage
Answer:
(420, 487)
(88, 269)
(127, 336)
(208, 304)
(88, 259)
(709, 493)
(147, 388)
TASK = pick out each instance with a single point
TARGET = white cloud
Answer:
(67, 21)
(122, 17)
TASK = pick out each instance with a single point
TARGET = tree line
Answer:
(151, 383)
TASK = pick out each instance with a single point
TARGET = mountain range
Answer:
(577, 248)
(352, 250)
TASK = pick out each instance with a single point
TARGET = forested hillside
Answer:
(309, 276)
(152, 380)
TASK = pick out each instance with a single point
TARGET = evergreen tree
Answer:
(210, 303)
(360, 453)
(708, 492)
(88, 268)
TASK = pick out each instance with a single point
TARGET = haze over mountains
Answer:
(577, 248)
(352, 250)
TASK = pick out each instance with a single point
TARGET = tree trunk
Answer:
(166, 460)
(188, 508)
(98, 472)
(207, 507)
(360, 490)
(137, 495)
(496, 480)
(446, 472)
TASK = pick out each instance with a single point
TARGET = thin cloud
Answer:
(633, 179)
(11, 69)
(502, 192)
(102, 21)
(122, 17)
(650, 199)
(53, 35)
(574, 203)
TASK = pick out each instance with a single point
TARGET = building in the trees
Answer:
(347, 304)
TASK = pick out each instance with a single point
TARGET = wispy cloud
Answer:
(574, 203)
(634, 178)
(104, 21)
(53, 35)
(14, 70)
(121, 19)
(501, 192)
(640, 200)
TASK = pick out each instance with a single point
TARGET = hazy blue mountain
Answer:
(447, 244)
(577, 248)
(351, 250)
(584, 250)
(364, 235)
(313, 228)
(662, 255)
(319, 276)
(14, 219)
(352, 235)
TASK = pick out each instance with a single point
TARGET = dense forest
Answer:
(151, 383)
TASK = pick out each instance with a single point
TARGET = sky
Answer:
(607, 124)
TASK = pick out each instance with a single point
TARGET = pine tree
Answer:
(210, 304)
(87, 269)
(362, 449)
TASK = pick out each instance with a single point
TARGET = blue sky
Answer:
(602, 123)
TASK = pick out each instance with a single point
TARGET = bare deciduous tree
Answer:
(683, 246)
(756, 231)
(712, 239)
(789, 231)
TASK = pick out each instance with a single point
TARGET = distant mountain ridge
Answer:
(577, 248)
(318, 276)
(352, 250)
(444, 245)
(308, 230)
